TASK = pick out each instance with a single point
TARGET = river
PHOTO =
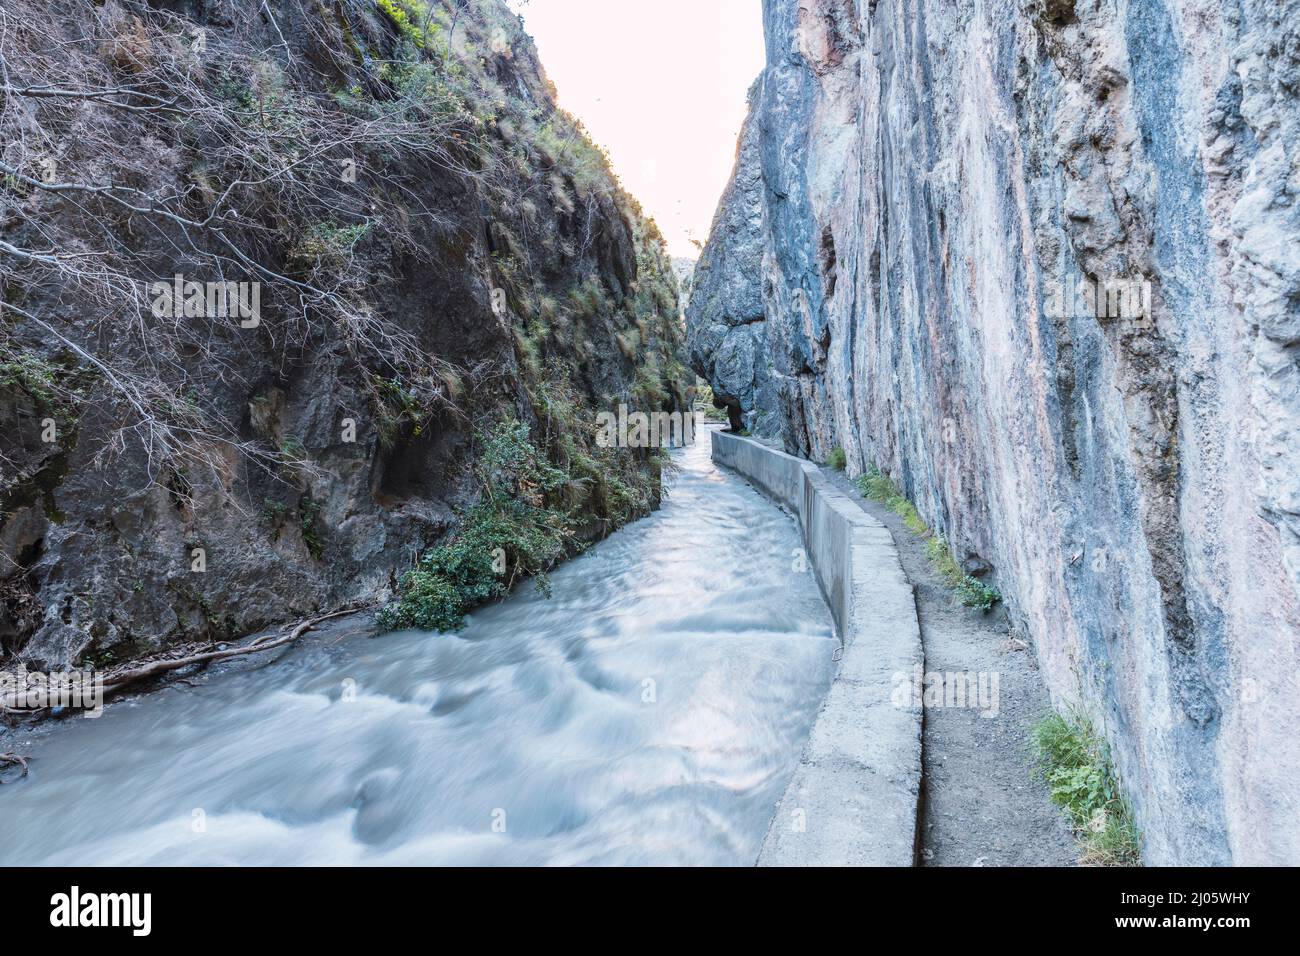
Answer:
(651, 711)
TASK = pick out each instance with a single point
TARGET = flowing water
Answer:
(650, 712)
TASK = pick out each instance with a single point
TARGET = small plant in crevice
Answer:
(511, 533)
(406, 406)
(1075, 763)
(310, 525)
(275, 513)
(22, 369)
(973, 592)
(837, 459)
(52, 389)
(325, 247)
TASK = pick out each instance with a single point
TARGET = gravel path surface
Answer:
(981, 805)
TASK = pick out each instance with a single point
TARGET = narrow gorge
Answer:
(397, 478)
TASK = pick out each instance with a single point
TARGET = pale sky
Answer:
(661, 84)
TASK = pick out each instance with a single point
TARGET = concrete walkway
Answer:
(981, 804)
(854, 799)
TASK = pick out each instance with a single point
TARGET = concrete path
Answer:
(981, 804)
(884, 780)
(855, 795)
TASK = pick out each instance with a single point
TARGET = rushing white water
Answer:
(650, 712)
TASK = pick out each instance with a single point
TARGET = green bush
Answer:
(837, 459)
(412, 18)
(972, 591)
(1076, 765)
(499, 542)
(509, 535)
(975, 593)
(429, 602)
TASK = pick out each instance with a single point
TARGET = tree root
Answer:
(8, 760)
(119, 678)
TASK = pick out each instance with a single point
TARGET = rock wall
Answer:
(437, 247)
(931, 174)
(726, 326)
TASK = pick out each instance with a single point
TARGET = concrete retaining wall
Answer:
(854, 798)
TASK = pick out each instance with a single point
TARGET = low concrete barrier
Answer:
(855, 796)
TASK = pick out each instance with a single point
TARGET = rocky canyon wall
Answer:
(436, 249)
(917, 181)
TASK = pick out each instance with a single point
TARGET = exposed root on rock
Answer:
(11, 760)
(118, 678)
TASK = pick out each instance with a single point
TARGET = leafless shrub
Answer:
(142, 145)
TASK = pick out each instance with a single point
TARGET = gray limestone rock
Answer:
(934, 179)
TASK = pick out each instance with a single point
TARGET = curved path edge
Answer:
(854, 799)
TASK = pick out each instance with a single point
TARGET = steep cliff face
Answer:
(931, 173)
(427, 246)
(726, 330)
